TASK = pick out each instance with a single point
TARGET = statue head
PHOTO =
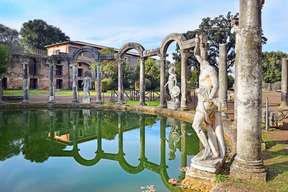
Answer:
(172, 69)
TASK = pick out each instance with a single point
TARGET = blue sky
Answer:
(115, 22)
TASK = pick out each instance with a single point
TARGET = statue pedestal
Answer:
(86, 100)
(205, 169)
(173, 105)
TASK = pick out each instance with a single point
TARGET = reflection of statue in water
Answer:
(206, 112)
(174, 90)
(86, 118)
(174, 140)
(86, 88)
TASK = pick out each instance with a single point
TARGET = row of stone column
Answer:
(141, 80)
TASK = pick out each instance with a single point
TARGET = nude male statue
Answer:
(206, 110)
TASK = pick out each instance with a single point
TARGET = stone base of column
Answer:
(253, 170)
(142, 104)
(120, 102)
(75, 101)
(163, 106)
(25, 102)
(184, 108)
(51, 100)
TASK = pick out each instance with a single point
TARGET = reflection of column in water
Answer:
(51, 123)
(142, 136)
(86, 119)
(162, 142)
(120, 134)
(99, 135)
(183, 158)
(74, 123)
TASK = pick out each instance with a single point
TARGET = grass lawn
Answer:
(148, 103)
(276, 161)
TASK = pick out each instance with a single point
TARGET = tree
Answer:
(152, 72)
(4, 60)
(218, 30)
(37, 34)
(271, 66)
(8, 35)
(109, 69)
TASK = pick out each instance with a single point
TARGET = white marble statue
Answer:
(207, 120)
(174, 90)
(86, 89)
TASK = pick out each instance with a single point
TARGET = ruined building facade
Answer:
(39, 67)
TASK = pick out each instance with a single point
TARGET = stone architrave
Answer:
(120, 81)
(210, 160)
(51, 97)
(25, 81)
(248, 163)
(162, 82)
(142, 81)
(99, 85)
(184, 58)
(223, 80)
(74, 83)
(284, 82)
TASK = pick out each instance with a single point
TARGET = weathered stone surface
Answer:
(142, 81)
(249, 93)
(223, 80)
(284, 82)
(184, 58)
(25, 81)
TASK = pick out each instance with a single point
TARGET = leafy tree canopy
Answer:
(4, 58)
(37, 34)
(8, 35)
(218, 30)
(271, 66)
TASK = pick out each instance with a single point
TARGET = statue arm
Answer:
(215, 84)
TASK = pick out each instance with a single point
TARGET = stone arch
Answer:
(129, 46)
(140, 49)
(94, 52)
(177, 37)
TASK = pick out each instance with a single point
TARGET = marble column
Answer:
(184, 58)
(25, 65)
(120, 81)
(284, 82)
(248, 163)
(142, 81)
(162, 82)
(223, 80)
(51, 97)
(75, 98)
(99, 86)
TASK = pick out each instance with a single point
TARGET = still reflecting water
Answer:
(91, 151)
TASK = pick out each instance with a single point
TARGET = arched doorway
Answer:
(121, 59)
(81, 60)
(179, 39)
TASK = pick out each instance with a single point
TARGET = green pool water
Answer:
(92, 151)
